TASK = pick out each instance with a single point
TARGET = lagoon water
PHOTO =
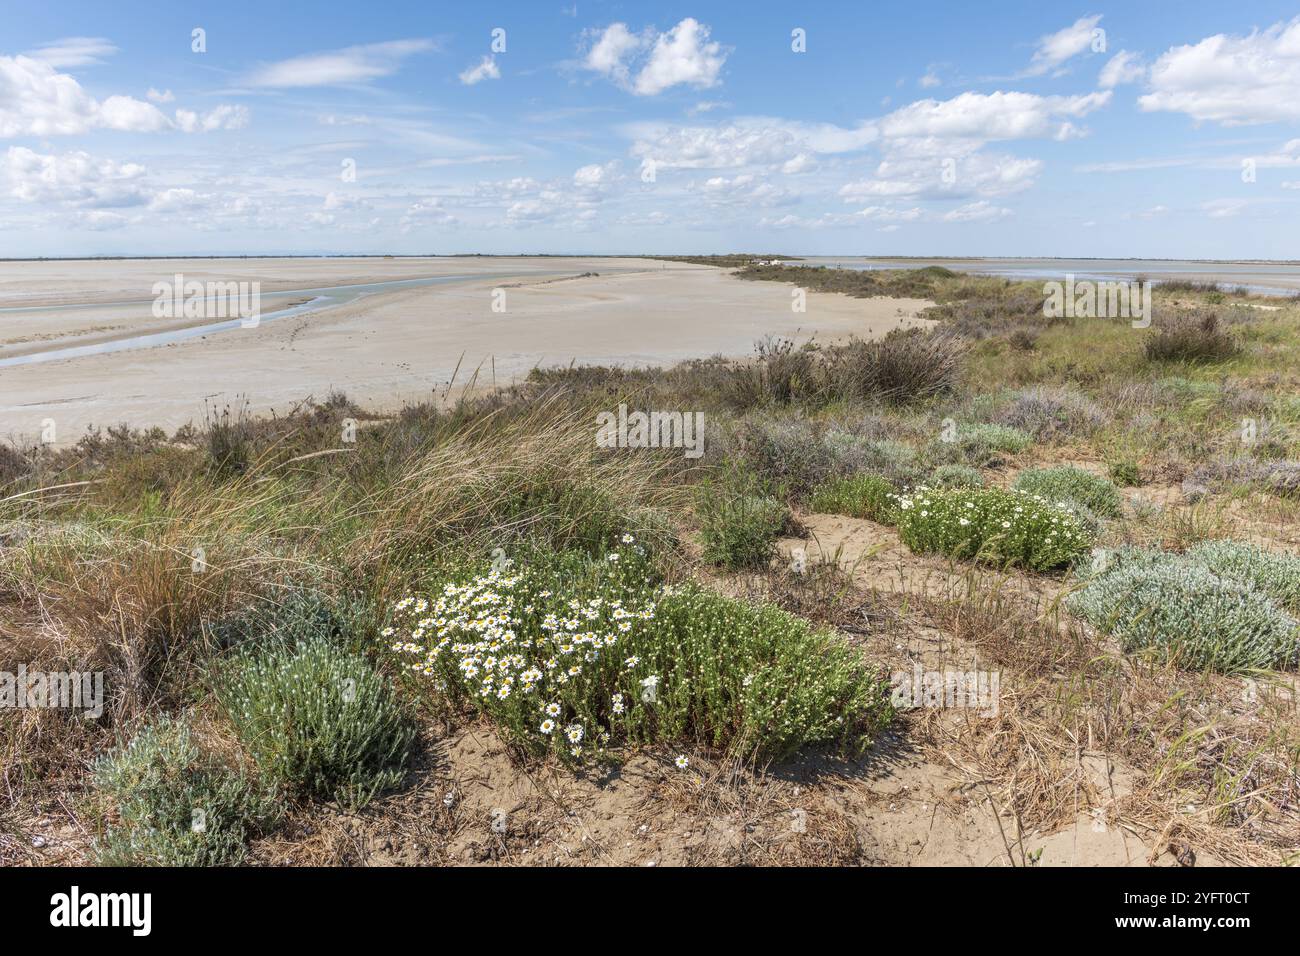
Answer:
(1264, 278)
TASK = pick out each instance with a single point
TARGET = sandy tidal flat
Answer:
(387, 348)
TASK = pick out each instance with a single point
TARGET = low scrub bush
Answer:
(1184, 612)
(956, 476)
(1196, 337)
(980, 444)
(1065, 483)
(176, 805)
(1045, 412)
(1271, 572)
(862, 496)
(1125, 473)
(740, 531)
(903, 367)
(572, 656)
(992, 524)
(318, 719)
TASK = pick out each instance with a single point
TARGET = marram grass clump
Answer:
(176, 805)
(572, 657)
(1185, 613)
(993, 525)
(318, 719)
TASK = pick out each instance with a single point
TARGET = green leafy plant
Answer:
(1274, 573)
(862, 496)
(740, 531)
(992, 524)
(570, 656)
(1065, 484)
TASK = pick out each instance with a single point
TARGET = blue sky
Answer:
(1159, 129)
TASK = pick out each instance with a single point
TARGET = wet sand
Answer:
(391, 347)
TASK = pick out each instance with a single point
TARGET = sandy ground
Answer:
(391, 347)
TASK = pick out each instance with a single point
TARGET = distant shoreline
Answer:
(635, 255)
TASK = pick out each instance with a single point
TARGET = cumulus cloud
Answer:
(74, 51)
(1056, 48)
(990, 116)
(486, 69)
(1232, 80)
(76, 179)
(684, 55)
(350, 65)
(159, 96)
(220, 117)
(1123, 67)
(36, 100)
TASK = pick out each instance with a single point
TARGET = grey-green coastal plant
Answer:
(1184, 612)
(175, 804)
(318, 719)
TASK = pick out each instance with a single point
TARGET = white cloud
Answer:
(351, 65)
(1291, 184)
(929, 80)
(607, 55)
(35, 100)
(749, 141)
(1054, 49)
(74, 51)
(220, 117)
(684, 55)
(1123, 67)
(1224, 208)
(159, 96)
(981, 211)
(75, 178)
(989, 116)
(975, 174)
(486, 69)
(1232, 80)
(801, 163)
(595, 176)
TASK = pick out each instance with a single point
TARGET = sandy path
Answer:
(398, 346)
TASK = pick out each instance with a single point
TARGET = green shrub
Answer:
(956, 476)
(862, 496)
(1186, 613)
(1066, 484)
(740, 531)
(1273, 573)
(992, 524)
(318, 718)
(570, 656)
(1125, 473)
(176, 805)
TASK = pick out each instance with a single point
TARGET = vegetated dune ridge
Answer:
(388, 348)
